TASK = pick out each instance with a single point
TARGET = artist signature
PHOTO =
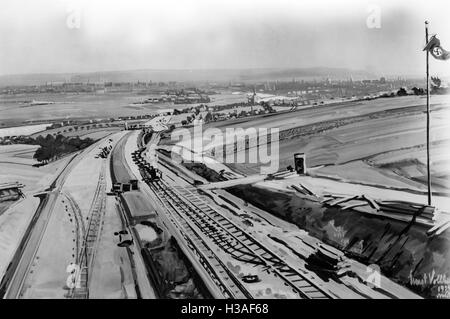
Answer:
(435, 280)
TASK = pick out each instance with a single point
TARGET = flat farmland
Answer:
(15, 109)
(387, 150)
(228, 98)
(16, 164)
(317, 114)
(93, 133)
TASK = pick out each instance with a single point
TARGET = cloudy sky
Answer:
(46, 36)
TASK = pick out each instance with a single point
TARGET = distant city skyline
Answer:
(61, 36)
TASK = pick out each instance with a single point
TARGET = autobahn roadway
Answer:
(16, 273)
(120, 172)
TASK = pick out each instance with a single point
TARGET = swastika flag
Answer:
(434, 47)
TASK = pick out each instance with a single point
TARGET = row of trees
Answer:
(74, 127)
(52, 147)
(435, 88)
(213, 117)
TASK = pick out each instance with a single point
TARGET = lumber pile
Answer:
(302, 189)
(407, 208)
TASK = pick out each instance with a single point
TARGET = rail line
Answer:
(197, 216)
(79, 223)
(239, 244)
(227, 282)
(90, 242)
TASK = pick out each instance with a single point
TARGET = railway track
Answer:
(228, 283)
(235, 241)
(90, 241)
(196, 218)
(79, 223)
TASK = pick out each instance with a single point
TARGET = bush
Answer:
(402, 92)
(53, 147)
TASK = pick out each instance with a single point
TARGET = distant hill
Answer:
(196, 75)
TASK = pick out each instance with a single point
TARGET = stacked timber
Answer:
(394, 209)
(328, 260)
(407, 208)
(302, 189)
(439, 228)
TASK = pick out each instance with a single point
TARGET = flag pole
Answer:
(428, 118)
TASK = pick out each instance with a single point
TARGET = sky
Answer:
(62, 36)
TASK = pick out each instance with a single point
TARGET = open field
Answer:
(88, 106)
(378, 142)
(384, 150)
(22, 130)
(94, 133)
(228, 98)
(316, 114)
(16, 165)
(71, 106)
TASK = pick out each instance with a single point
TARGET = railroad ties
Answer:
(90, 242)
(234, 240)
(80, 227)
(200, 224)
(224, 279)
(263, 256)
(400, 210)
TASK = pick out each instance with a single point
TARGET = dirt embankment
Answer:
(199, 168)
(320, 127)
(205, 172)
(171, 271)
(403, 252)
